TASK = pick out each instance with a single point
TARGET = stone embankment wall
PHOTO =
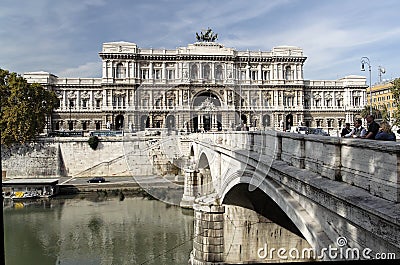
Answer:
(35, 159)
(73, 157)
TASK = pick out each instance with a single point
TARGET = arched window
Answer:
(120, 71)
(266, 120)
(219, 72)
(194, 71)
(206, 72)
(288, 73)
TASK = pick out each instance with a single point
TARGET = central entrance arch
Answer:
(206, 116)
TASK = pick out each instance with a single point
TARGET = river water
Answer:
(97, 230)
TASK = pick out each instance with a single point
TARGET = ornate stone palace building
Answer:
(204, 86)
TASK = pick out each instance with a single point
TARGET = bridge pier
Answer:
(208, 243)
(190, 188)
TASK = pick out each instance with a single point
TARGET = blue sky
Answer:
(65, 37)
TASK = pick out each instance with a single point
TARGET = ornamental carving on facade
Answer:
(290, 94)
(158, 95)
(207, 104)
(316, 96)
(120, 93)
(59, 94)
(254, 94)
(85, 95)
(267, 95)
(230, 97)
(146, 95)
(98, 95)
(71, 95)
(185, 96)
(171, 94)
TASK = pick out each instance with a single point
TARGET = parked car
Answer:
(299, 129)
(97, 180)
(319, 131)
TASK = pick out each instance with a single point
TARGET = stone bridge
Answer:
(271, 196)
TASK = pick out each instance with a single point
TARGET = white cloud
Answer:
(91, 69)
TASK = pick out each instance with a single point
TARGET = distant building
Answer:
(202, 87)
(382, 97)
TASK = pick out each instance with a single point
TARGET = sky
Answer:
(65, 37)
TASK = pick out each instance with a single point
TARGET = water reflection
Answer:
(97, 231)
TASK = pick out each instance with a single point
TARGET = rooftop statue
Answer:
(207, 36)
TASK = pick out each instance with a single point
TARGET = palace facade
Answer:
(202, 87)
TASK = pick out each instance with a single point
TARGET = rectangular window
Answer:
(266, 75)
(145, 73)
(84, 103)
(171, 74)
(158, 103)
(242, 75)
(170, 103)
(157, 74)
(329, 103)
(145, 103)
(98, 103)
(254, 75)
(71, 104)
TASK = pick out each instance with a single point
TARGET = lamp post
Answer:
(365, 60)
(3, 260)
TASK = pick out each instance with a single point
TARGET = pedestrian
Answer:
(385, 132)
(373, 127)
(358, 131)
(345, 130)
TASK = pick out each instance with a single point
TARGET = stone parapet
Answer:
(368, 164)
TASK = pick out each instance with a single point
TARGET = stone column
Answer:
(200, 121)
(208, 242)
(214, 123)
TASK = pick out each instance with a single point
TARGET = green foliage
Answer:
(376, 112)
(24, 108)
(395, 89)
(93, 142)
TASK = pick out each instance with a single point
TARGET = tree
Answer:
(395, 89)
(93, 142)
(24, 108)
(366, 111)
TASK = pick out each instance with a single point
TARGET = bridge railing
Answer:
(368, 164)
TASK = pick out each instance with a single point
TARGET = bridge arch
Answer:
(205, 181)
(299, 221)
